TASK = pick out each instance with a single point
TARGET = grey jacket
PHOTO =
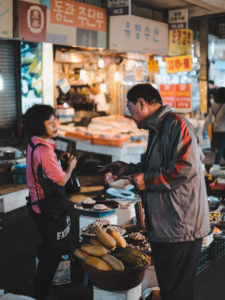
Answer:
(175, 199)
(217, 116)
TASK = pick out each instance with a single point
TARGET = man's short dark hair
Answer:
(145, 91)
(34, 119)
(220, 95)
(212, 82)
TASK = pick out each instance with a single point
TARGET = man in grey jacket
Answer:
(171, 181)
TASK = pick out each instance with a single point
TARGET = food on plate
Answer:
(99, 222)
(80, 254)
(106, 239)
(114, 262)
(214, 216)
(136, 238)
(97, 263)
(120, 241)
(131, 258)
(94, 250)
(145, 247)
(100, 207)
(88, 202)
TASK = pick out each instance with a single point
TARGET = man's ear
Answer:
(142, 102)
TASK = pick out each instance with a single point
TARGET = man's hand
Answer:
(139, 181)
(118, 168)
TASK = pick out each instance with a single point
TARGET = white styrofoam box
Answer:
(150, 279)
(125, 215)
(13, 200)
(132, 294)
(86, 220)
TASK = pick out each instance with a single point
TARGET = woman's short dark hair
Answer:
(145, 91)
(34, 119)
(220, 95)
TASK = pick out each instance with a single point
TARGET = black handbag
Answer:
(73, 185)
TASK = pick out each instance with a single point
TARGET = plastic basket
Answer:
(218, 248)
(204, 260)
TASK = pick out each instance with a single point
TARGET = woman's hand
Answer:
(64, 156)
(139, 182)
(72, 162)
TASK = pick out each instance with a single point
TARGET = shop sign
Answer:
(6, 19)
(130, 33)
(178, 64)
(118, 7)
(183, 97)
(180, 41)
(178, 18)
(153, 66)
(178, 96)
(167, 92)
(32, 21)
(76, 14)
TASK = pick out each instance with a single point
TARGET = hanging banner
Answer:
(32, 22)
(180, 41)
(178, 64)
(6, 19)
(183, 97)
(167, 92)
(78, 14)
(136, 34)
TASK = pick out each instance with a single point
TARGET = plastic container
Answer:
(217, 248)
(204, 259)
(19, 174)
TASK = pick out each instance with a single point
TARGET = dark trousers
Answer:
(176, 266)
(48, 261)
(220, 137)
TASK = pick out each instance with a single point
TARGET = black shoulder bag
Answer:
(53, 209)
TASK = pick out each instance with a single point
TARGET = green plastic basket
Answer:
(218, 248)
(204, 259)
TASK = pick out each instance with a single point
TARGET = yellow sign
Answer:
(153, 66)
(180, 41)
(178, 64)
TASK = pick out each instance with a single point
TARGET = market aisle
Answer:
(17, 251)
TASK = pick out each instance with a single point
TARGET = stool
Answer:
(132, 294)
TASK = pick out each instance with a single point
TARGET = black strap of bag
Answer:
(54, 203)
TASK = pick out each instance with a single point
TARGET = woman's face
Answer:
(51, 127)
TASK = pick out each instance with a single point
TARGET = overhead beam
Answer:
(217, 6)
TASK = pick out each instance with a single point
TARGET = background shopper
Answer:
(216, 116)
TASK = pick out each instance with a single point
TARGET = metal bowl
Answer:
(114, 280)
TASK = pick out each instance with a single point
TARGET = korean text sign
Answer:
(32, 21)
(178, 64)
(6, 18)
(180, 41)
(178, 96)
(76, 14)
(131, 33)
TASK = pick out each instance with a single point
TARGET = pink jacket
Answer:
(47, 158)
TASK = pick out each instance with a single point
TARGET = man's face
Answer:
(51, 127)
(137, 113)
